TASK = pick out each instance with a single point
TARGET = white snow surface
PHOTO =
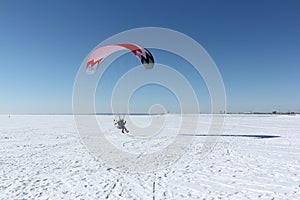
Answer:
(42, 157)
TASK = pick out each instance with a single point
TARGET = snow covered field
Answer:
(42, 157)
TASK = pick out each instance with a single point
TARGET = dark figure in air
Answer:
(120, 124)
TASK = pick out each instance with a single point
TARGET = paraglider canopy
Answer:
(97, 56)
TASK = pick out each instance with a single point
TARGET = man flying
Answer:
(120, 124)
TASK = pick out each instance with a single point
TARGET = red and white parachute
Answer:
(96, 57)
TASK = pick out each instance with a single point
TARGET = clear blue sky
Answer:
(255, 44)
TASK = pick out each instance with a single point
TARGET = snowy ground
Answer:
(42, 157)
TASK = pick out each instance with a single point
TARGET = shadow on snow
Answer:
(231, 135)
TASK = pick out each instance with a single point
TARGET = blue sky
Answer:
(255, 44)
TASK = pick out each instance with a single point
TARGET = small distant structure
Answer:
(292, 113)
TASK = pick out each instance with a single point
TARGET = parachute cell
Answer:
(96, 57)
